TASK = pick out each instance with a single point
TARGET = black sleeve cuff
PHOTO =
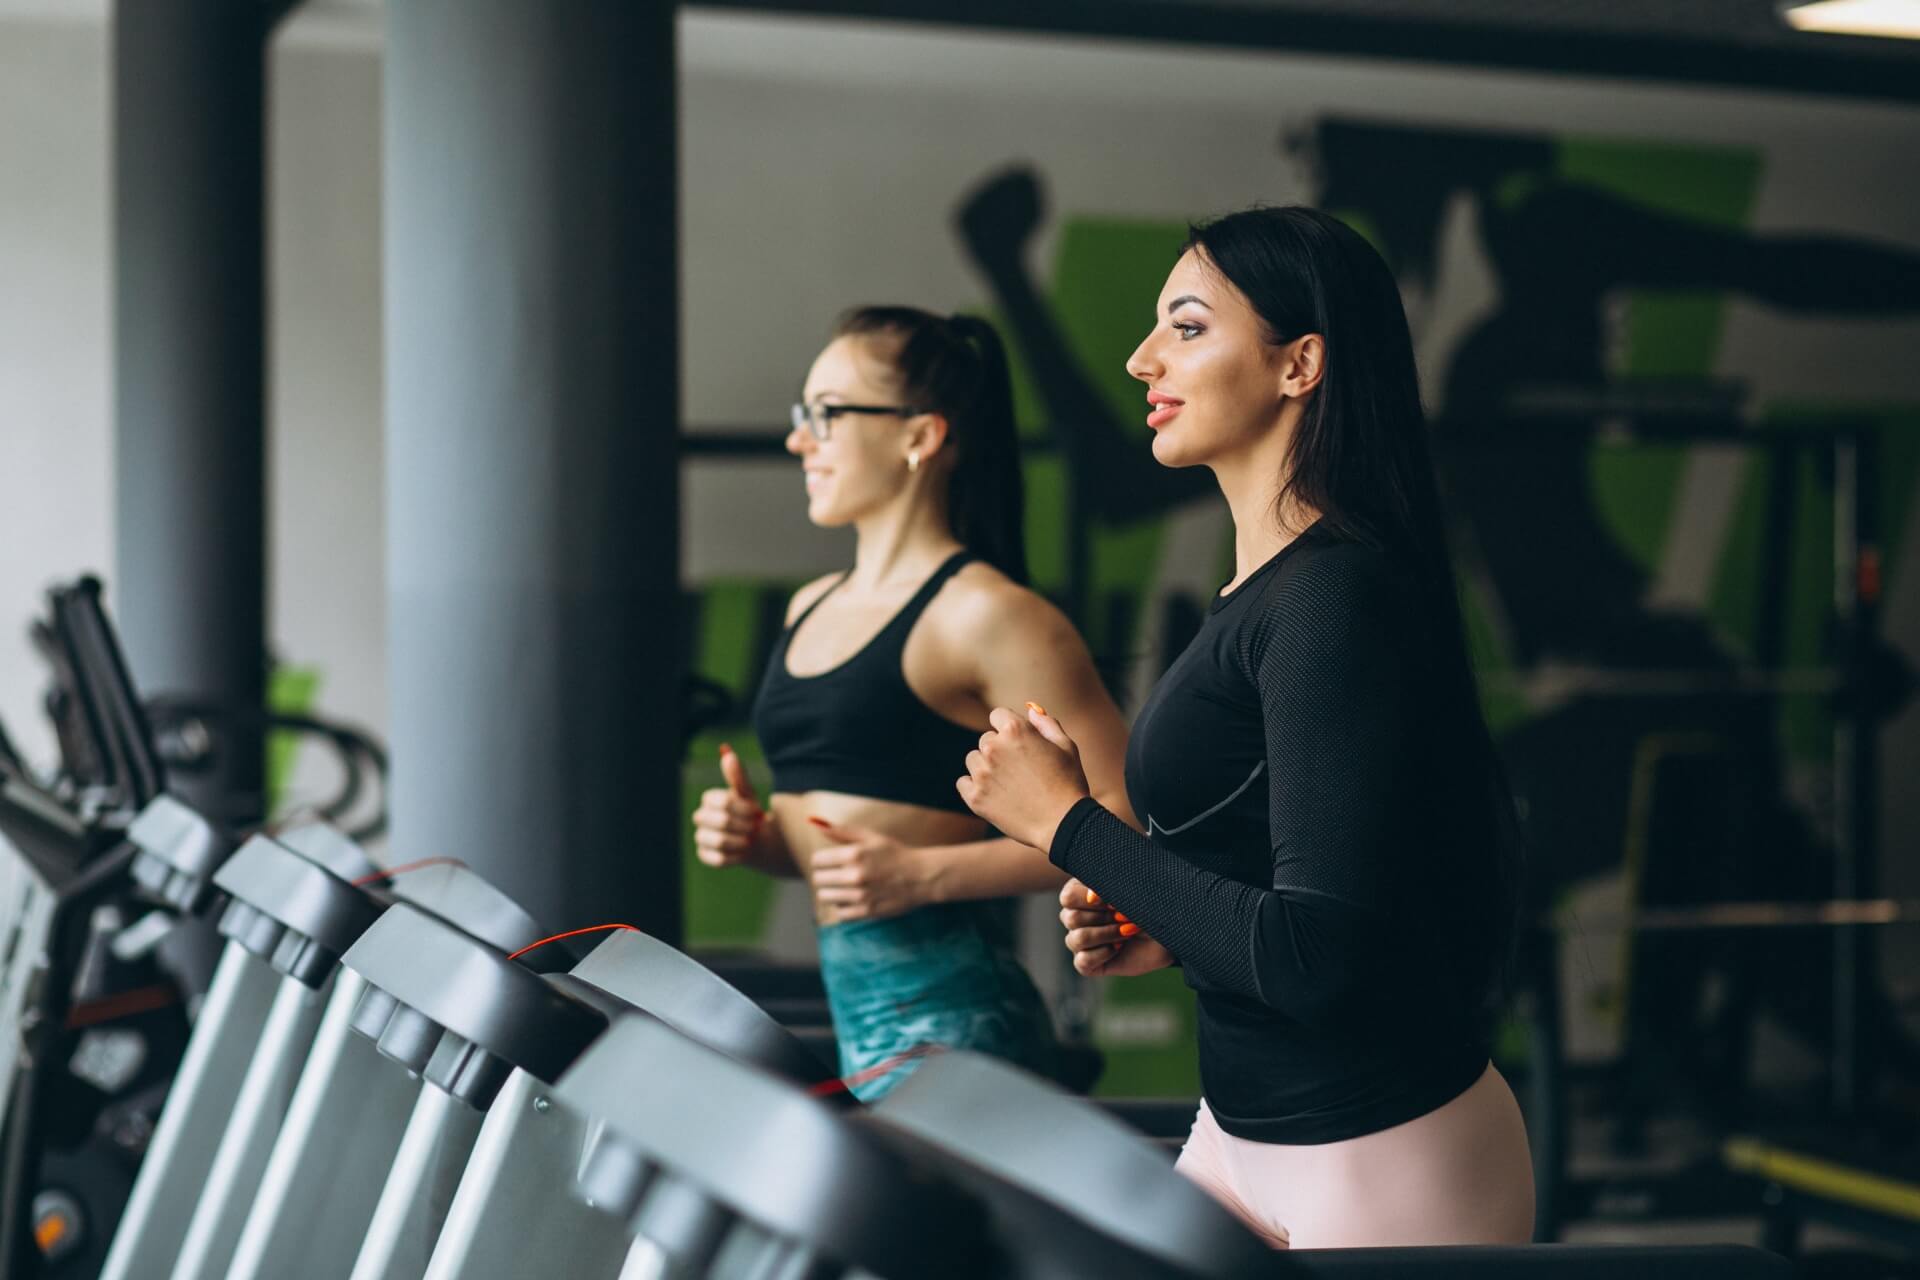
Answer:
(1063, 835)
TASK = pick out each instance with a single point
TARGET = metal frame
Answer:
(66, 868)
(291, 911)
(527, 1146)
(1838, 66)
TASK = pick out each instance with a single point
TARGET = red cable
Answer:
(827, 1088)
(571, 933)
(123, 1005)
(405, 867)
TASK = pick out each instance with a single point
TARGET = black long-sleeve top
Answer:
(1319, 852)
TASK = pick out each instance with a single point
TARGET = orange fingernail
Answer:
(1036, 708)
(822, 823)
(726, 749)
(1093, 897)
(1128, 930)
(1121, 916)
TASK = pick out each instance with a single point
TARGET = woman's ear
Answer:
(926, 435)
(1303, 364)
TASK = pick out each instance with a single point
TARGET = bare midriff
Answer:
(911, 824)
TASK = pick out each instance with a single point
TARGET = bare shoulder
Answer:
(982, 606)
(803, 598)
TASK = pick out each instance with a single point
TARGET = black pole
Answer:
(532, 476)
(189, 379)
(1856, 765)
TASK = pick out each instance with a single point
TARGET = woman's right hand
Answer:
(1104, 943)
(730, 829)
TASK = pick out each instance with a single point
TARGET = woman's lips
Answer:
(1163, 414)
(816, 481)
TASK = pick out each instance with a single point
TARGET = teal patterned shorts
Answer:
(938, 975)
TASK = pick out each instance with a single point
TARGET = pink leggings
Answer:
(1460, 1174)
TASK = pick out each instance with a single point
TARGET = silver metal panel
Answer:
(225, 1033)
(413, 1204)
(331, 1157)
(26, 918)
(646, 1261)
(513, 1216)
(258, 1108)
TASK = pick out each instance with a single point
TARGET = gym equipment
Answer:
(720, 1169)
(793, 993)
(1697, 966)
(345, 1121)
(192, 735)
(65, 861)
(176, 852)
(527, 1146)
(462, 1017)
(54, 869)
(108, 757)
(1872, 1188)
(94, 843)
(291, 910)
(1544, 1262)
(1073, 1192)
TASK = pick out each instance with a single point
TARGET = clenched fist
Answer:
(1024, 776)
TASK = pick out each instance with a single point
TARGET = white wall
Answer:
(56, 456)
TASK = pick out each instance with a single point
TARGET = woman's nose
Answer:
(799, 441)
(1143, 363)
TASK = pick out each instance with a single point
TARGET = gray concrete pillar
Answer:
(532, 381)
(189, 588)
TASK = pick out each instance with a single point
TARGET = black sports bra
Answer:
(858, 728)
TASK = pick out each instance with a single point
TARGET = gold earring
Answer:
(913, 460)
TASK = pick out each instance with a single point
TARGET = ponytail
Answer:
(957, 367)
(987, 499)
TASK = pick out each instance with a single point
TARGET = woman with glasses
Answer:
(1330, 852)
(881, 684)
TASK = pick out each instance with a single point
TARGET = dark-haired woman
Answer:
(881, 684)
(1329, 852)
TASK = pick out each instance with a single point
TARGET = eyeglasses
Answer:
(817, 419)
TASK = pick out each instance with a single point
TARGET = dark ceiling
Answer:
(1722, 42)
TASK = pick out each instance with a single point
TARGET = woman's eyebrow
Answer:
(1183, 299)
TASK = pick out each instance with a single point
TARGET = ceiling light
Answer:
(1899, 19)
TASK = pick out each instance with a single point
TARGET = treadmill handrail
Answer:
(104, 680)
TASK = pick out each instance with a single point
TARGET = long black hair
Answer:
(1359, 458)
(955, 366)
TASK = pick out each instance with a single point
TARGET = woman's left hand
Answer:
(1024, 776)
(864, 875)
